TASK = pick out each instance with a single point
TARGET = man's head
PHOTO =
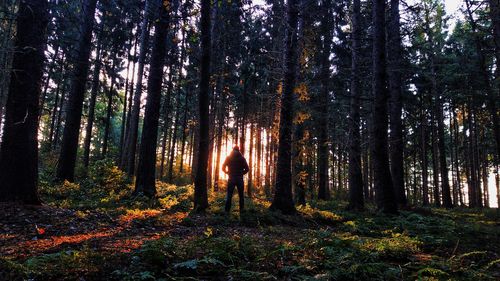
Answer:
(237, 148)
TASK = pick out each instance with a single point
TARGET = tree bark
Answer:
(132, 134)
(395, 88)
(93, 97)
(19, 151)
(386, 201)
(200, 186)
(69, 145)
(283, 198)
(323, 103)
(356, 201)
(145, 181)
(109, 108)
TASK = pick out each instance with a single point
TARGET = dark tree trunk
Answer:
(166, 125)
(395, 89)
(386, 201)
(356, 201)
(435, 165)
(128, 161)
(323, 100)
(250, 186)
(283, 198)
(123, 154)
(299, 167)
(93, 97)
(475, 159)
(53, 118)
(145, 181)
(69, 145)
(200, 186)
(109, 108)
(50, 73)
(258, 177)
(62, 106)
(19, 151)
(124, 112)
(184, 135)
(493, 94)
(439, 120)
(173, 138)
(424, 158)
(267, 177)
(220, 126)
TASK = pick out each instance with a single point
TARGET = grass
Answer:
(159, 239)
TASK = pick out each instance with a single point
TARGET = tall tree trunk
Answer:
(283, 198)
(220, 126)
(19, 151)
(123, 154)
(184, 135)
(250, 185)
(356, 201)
(267, 177)
(386, 201)
(323, 100)
(62, 108)
(435, 165)
(299, 167)
(493, 93)
(395, 88)
(124, 112)
(69, 145)
(200, 185)
(145, 180)
(475, 159)
(109, 108)
(258, 176)
(93, 97)
(50, 73)
(439, 119)
(173, 138)
(133, 130)
(53, 118)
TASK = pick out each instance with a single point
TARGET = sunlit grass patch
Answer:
(136, 214)
(398, 246)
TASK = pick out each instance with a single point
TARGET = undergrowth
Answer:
(321, 242)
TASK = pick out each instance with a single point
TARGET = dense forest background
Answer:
(440, 95)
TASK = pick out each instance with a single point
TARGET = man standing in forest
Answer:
(236, 167)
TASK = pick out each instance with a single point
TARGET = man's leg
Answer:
(229, 196)
(241, 191)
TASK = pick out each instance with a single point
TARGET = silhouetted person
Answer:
(236, 167)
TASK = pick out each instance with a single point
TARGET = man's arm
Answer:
(246, 169)
(224, 166)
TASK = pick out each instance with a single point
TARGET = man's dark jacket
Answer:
(236, 164)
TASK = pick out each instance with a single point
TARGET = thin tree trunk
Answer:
(93, 97)
(132, 135)
(250, 185)
(323, 104)
(109, 109)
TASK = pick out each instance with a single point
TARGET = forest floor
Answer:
(96, 230)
